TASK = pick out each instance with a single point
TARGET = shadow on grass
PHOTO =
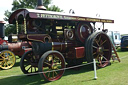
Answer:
(36, 79)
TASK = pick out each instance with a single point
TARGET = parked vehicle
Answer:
(115, 38)
(124, 43)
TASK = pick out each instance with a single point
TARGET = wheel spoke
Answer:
(29, 68)
(10, 63)
(26, 64)
(2, 63)
(47, 63)
(56, 73)
(100, 61)
(53, 74)
(99, 39)
(95, 47)
(97, 57)
(1, 59)
(35, 69)
(47, 71)
(97, 42)
(94, 53)
(10, 57)
(103, 42)
(7, 64)
(105, 58)
(49, 74)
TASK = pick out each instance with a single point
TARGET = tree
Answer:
(25, 4)
(54, 8)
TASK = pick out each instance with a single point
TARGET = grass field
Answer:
(115, 74)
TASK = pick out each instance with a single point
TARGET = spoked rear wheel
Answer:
(98, 46)
(49, 65)
(7, 59)
(29, 63)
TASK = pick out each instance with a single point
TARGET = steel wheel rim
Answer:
(98, 46)
(7, 59)
(102, 50)
(53, 62)
(28, 63)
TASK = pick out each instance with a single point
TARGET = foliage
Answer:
(10, 29)
(54, 8)
(28, 4)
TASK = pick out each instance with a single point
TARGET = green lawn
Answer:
(115, 74)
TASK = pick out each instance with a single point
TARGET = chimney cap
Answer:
(41, 8)
(40, 5)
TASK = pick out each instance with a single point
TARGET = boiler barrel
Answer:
(39, 47)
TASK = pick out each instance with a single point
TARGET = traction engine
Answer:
(58, 40)
(8, 49)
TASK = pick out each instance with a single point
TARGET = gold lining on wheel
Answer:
(7, 59)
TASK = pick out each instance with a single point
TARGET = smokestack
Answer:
(40, 5)
(2, 30)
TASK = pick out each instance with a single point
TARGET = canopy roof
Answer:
(42, 14)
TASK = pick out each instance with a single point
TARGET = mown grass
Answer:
(115, 74)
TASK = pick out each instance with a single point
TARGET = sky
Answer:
(107, 9)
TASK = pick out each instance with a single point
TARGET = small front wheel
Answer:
(7, 59)
(51, 64)
(29, 62)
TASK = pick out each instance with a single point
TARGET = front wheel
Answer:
(51, 64)
(29, 62)
(7, 59)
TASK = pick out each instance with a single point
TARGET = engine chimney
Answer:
(40, 5)
(2, 30)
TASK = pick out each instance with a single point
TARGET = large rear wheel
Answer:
(50, 64)
(98, 46)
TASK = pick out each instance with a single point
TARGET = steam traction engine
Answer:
(57, 39)
(8, 49)
(7, 58)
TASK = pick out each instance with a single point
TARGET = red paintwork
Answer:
(3, 42)
(80, 52)
(19, 47)
(83, 31)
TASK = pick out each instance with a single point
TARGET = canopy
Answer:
(42, 14)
